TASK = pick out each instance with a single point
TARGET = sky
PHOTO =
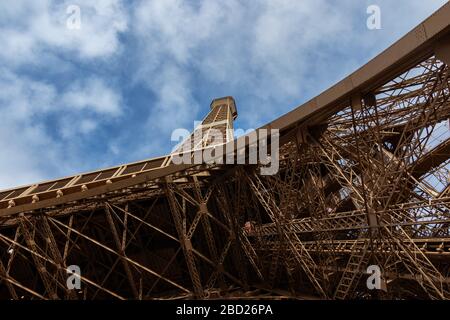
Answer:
(113, 90)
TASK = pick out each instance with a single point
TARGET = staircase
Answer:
(357, 261)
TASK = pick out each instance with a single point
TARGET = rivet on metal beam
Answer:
(35, 199)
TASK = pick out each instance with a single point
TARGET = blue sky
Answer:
(112, 91)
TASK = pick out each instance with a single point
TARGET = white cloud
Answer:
(87, 126)
(22, 98)
(270, 54)
(34, 147)
(44, 123)
(92, 95)
(263, 48)
(20, 146)
(22, 135)
(30, 29)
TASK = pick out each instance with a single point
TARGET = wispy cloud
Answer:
(112, 91)
(270, 54)
(41, 126)
(31, 30)
(47, 118)
(92, 95)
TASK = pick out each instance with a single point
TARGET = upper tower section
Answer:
(228, 102)
(219, 120)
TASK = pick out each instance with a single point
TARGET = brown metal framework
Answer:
(364, 180)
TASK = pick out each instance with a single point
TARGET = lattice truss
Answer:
(368, 185)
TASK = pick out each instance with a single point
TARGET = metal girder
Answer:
(364, 179)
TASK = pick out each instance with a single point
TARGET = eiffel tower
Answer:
(363, 184)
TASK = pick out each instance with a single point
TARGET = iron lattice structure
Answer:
(364, 179)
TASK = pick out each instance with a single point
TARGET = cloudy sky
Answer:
(112, 91)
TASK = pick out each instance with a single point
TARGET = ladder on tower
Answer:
(353, 271)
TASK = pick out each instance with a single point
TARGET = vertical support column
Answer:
(235, 234)
(4, 274)
(121, 251)
(359, 255)
(185, 242)
(208, 230)
(55, 253)
(47, 279)
(293, 242)
(356, 105)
